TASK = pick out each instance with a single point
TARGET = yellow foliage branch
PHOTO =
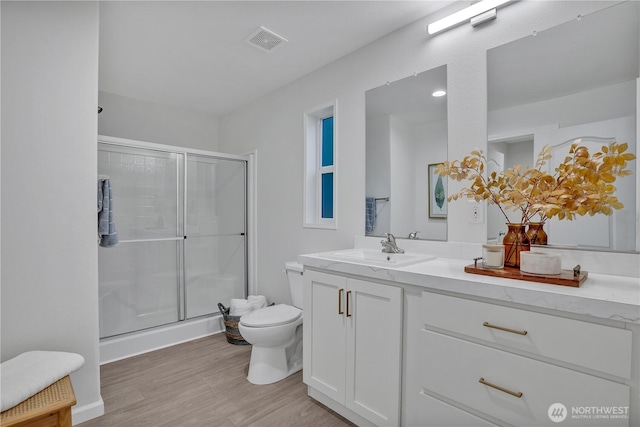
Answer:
(582, 184)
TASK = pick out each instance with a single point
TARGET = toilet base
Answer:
(272, 364)
(268, 368)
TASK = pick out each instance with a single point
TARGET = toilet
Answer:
(275, 332)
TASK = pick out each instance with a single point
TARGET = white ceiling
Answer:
(192, 54)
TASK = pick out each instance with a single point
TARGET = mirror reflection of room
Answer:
(406, 132)
(577, 80)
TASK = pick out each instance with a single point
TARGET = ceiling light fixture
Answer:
(439, 93)
(465, 15)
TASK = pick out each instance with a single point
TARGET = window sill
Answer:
(327, 226)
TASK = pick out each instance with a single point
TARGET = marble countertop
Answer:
(601, 295)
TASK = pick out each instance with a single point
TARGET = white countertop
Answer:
(601, 295)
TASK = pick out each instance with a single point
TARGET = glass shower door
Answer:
(215, 244)
(140, 278)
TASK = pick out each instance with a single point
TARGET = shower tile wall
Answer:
(146, 198)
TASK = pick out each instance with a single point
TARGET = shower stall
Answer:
(181, 218)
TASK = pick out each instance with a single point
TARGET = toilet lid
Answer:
(274, 315)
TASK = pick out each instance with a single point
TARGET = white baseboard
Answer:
(80, 414)
(118, 348)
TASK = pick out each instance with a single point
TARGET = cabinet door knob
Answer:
(340, 291)
(517, 394)
(502, 328)
(348, 294)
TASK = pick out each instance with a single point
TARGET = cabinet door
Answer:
(324, 334)
(374, 340)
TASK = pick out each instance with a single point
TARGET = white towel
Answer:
(257, 301)
(33, 371)
(239, 307)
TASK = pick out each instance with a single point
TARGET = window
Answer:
(320, 167)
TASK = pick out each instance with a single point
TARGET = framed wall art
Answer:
(437, 193)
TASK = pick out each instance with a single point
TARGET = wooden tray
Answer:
(565, 278)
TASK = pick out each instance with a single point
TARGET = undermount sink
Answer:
(378, 258)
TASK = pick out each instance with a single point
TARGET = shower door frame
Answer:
(250, 220)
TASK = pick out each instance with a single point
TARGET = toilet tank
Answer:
(294, 276)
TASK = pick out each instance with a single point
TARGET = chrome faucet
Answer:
(389, 244)
(413, 235)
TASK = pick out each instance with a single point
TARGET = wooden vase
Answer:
(515, 241)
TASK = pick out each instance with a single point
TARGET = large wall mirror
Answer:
(576, 80)
(406, 136)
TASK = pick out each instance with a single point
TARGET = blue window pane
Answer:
(327, 195)
(327, 141)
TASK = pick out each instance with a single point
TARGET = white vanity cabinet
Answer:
(353, 344)
(431, 345)
(510, 365)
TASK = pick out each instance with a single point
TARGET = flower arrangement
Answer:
(582, 184)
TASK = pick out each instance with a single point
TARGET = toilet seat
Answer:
(274, 315)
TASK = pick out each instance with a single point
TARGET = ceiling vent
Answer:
(265, 40)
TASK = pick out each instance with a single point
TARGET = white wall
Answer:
(129, 118)
(430, 147)
(49, 127)
(277, 129)
(515, 153)
(398, 154)
(378, 179)
(403, 177)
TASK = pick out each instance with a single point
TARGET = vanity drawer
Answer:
(436, 413)
(453, 368)
(603, 348)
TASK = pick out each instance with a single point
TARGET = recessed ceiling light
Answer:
(439, 93)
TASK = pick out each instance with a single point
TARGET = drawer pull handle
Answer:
(502, 328)
(340, 311)
(348, 293)
(517, 394)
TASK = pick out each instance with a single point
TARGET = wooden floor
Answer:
(203, 383)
